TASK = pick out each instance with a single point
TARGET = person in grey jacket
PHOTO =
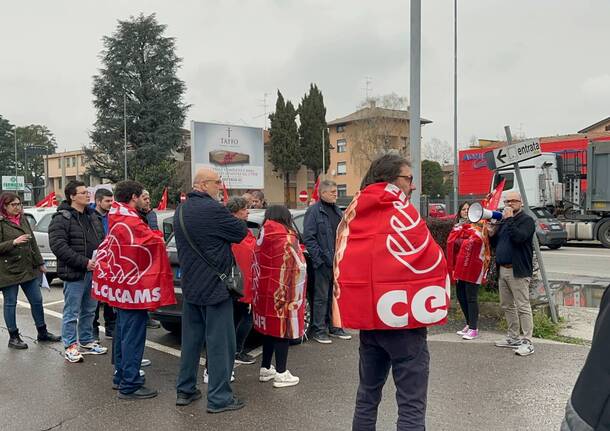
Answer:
(20, 265)
(207, 307)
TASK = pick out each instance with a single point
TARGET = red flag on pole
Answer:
(493, 199)
(315, 196)
(163, 203)
(48, 201)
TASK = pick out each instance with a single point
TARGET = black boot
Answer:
(44, 335)
(15, 341)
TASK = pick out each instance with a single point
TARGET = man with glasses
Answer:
(319, 232)
(512, 240)
(75, 233)
(204, 251)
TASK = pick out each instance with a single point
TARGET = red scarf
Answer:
(389, 272)
(244, 256)
(132, 270)
(278, 287)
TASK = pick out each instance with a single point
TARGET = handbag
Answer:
(232, 281)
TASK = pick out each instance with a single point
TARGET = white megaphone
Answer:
(476, 213)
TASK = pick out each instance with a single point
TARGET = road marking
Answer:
(52, 303)
(150, 344)
(559, 253)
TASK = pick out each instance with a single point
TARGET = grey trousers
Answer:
(515, 301)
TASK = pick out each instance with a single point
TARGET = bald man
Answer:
(512, 240)
(207, 307)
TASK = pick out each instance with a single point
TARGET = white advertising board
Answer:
(235, 152)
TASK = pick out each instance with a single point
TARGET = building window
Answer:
(341, 145)
(82, 160)
(67, 159)
(341, 190)
(341, 128)
(59, 162)
(607, 128)
(341, 168)
(73, 162)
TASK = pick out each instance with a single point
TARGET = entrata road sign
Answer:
(303, 196)
(514, 153)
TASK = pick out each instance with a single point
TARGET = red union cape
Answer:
(244, 256)
(468, 252)
(278, 287)
(132, 270)
(389, 272)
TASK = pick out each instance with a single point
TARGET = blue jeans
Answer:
(405, 351)
(79, 310)
(32, 292)
(212, 324)
(128, 349)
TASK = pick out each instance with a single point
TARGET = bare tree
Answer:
(377, 128)
(438, 151)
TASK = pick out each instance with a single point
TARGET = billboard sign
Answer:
(235, 152)
(13, 183)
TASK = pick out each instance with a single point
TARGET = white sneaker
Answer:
(525, 349)
(206, 377)
(285, 379)
(267, 374)
(463, 331)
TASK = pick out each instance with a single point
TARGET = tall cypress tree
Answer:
(7, 147)
(284, 141)
(312, 115)
(140, 64)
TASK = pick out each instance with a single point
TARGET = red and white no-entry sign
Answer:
(303, 196)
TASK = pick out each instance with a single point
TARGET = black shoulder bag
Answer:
(232, 281)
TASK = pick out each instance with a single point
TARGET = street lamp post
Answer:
(414, 109)
(125, 128)
(15, 133)
(323, 155)
(455, 143)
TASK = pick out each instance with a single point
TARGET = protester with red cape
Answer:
(278, 289)
(391, 282)
(133, 275)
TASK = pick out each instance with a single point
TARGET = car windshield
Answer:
(43, 224)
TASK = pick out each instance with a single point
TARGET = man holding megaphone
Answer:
(512, 240)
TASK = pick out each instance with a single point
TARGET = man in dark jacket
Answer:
(319, 233)
(75, 233)
(514, 255)
(207, 313)
(588, 408)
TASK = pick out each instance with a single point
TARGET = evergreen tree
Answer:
(284, 144)
(140, 65)
(312, 115)
(432, 179)
(7, 147)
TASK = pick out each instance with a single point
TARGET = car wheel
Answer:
(554, 246)
(173, 327)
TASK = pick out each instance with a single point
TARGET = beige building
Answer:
(67, 166)
(359, 138)
(602, 126)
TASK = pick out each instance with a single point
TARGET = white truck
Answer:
(573, 186)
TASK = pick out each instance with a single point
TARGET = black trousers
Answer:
(322, 300)
(468, 297)
(242, 318)
(109, 316)
(406, 352)
(280, 347)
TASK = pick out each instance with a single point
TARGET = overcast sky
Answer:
(541, 66)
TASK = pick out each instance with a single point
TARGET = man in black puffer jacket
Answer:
(75, 233)
(207, 308)
(588, 408)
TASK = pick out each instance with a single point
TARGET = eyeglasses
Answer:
(15, 204)
(409, 178)
(510, 201)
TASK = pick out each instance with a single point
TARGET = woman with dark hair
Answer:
(20, 265)
(467, 256)
(278, 288)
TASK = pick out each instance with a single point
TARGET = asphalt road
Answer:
(473, 386)
(584, 259)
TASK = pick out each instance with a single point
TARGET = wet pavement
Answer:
(473, 386)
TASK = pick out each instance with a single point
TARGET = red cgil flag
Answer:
(163, 203)
(48, 201)
(493, 199)
(315, 196)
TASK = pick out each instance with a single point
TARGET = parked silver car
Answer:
(41, 233)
